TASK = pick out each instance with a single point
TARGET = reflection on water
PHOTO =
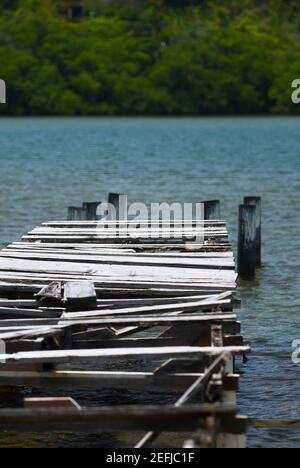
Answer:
(48, 164)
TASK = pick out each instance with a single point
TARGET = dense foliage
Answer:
(135, 57)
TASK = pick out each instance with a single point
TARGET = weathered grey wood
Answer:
(196, 286)
(143, 272)
(257, 202)
(63, 356)
(212, 210)
(103, 233)
(207, 263)
(92, 249)
(90, 209)
(247, 241)
(119, 303)
(26, 287)
(31, 333)
(76, 213)
(103, 227)
(51, 291)
(9, 312)
(148, 222)
(146, 320)
(120, 202)
(142, 244)
(79, 295)
(213, 302)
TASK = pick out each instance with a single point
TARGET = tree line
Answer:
(150, 57)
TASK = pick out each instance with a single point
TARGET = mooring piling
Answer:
(119, 201)
(212, 209)
(90, 209)
(256, 201)
(76, 213)
(247, 241)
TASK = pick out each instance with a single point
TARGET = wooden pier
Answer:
(77, 299)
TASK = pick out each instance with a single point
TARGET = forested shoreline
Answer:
(150, 57)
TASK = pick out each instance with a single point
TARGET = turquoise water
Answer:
(48, 164)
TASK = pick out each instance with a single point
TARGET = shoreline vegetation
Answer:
(150, 57)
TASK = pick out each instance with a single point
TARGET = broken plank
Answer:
(60, 356)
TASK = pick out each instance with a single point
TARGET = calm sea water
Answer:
(48, 164)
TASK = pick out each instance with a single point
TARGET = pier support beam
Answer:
(247, 241)
(256, 201)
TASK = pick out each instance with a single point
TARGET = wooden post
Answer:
(247, 241)
(212, 210)
(76, 214)
(91, 210)
(235, 436)
(119, 201)
(256, 201)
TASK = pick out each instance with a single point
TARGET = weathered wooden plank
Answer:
(79, 295)
(210, 303)
(9, 312)
(143, 272)
(157, 248)
(145, 321)
(30, 333)
(27, 288)
(179, 222)
(212, 209)
(140, 353)
(135, 418)
(91, 249)
(162, 234)
(223, 301)
(124, 260)
(117, 282)
(156, 237)
(139, 228)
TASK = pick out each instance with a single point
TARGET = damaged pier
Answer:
(77, 299)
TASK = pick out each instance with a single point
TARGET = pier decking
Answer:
(75, 298)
